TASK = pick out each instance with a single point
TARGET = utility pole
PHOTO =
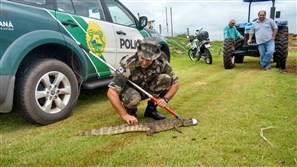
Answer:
(171, 22)
(188, 32)
(166, 21)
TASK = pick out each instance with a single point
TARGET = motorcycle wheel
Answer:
(208, 56)
(191, 54)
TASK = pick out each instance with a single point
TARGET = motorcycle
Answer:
(199, 46)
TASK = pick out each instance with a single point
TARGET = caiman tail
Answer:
(149, 127)
(111, 130)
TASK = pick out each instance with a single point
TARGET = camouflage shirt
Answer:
(130, 69)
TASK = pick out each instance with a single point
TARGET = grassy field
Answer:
(232, 107)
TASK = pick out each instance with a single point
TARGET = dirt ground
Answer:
(291, 68)
(293, 45)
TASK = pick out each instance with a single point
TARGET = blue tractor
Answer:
(234, 51)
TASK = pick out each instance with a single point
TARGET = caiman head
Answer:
(189, 121)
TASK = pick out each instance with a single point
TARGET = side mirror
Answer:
(142, 22)
(277, 14)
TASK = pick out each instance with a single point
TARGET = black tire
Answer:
(238, 46)
(228, 50)
(238, 43)
(281, 48)
(208, 57)
(238, 59)
(191, 54)
(47, 91)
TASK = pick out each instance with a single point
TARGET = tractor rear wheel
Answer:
(281, 47)
(228, 53)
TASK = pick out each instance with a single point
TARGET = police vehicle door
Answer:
(125, 30)
(88, 26)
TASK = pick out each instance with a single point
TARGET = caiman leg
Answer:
(151, 131)
(176, 128)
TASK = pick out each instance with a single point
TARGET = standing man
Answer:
(265, 30)
(151, 71)
(231, 32)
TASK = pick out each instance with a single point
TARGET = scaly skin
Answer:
(149, 127)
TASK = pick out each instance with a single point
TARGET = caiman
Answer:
(149, 127)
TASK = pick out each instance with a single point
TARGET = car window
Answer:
(119, 14)
(49, 4)
(65, 6)
(91, 9)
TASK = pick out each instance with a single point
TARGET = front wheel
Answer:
(281, 48)
(47, 91)
(239, 59)
(208, 57)
(228, 53)
(238, 46)
(192, 55)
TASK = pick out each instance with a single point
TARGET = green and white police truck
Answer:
(42, 68)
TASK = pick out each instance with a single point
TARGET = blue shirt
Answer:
(263, 30)
(231, 32)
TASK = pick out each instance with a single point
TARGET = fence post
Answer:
(160, 28)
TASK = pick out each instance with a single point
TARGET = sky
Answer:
(211, 15)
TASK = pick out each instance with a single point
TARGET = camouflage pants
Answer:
(158, 87)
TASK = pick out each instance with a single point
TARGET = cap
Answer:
(149, 48)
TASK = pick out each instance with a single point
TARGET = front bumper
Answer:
(6, 92)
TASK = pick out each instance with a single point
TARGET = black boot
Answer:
(152, 112)
(132, 112)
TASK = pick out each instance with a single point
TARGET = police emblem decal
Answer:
(95, 38)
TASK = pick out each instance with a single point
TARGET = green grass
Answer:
(231, 105)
